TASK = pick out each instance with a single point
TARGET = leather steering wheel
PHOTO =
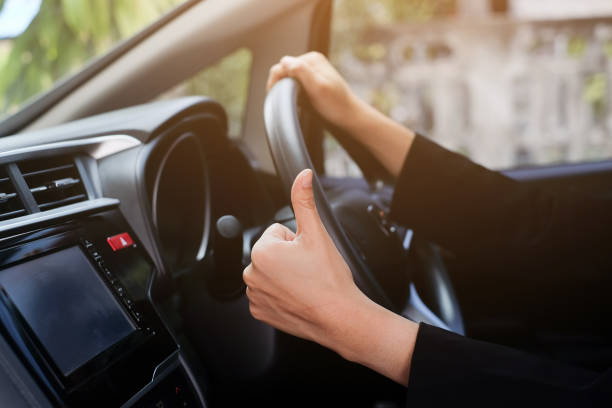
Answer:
(290, 157)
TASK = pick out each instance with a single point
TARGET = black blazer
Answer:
(474, 212)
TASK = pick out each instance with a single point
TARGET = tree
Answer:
(64, 36)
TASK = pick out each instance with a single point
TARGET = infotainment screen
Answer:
(67, 306)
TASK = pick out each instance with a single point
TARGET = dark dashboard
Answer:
(102, 222)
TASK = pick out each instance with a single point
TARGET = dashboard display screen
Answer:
(67, 306)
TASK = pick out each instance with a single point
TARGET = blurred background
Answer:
(507, 82)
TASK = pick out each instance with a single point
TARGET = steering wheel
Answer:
(374, 249)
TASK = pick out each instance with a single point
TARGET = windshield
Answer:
(42, 41)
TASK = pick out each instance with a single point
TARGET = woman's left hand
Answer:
(299, 283)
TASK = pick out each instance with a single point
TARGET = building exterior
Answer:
(527, 87)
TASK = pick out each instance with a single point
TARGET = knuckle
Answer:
(260, 254)
(248, 278)
(320, 87)
(275, 228)
(276, 69)
(317, 55)
(297, 67)
(257, 254)
(250, 294)
(254, 310)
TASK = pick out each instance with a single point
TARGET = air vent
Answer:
(54, 181)
(10, 203)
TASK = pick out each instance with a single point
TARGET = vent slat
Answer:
(60, 184)
(10, 203)
(49, 170)
(12, 214)
(54, 181)
(63, 201)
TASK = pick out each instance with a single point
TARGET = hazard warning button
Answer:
(120, 241)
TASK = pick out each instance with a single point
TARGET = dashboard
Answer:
(102, 222)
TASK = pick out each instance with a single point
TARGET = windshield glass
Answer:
(42, 41)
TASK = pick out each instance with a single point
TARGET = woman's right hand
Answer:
(333, 99)
(329, 93)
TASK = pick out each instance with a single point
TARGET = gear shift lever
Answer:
(226, 278)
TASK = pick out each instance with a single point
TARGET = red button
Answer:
(120, 241)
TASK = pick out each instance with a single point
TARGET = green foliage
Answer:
(357, 16)
(359, 13)
(608, 48)
(64, 36)
(576, 46)
(353, 19)
(594, 92)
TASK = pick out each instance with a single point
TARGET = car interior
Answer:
(127, 216)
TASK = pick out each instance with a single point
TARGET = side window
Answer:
(337, 162)
(227, 81)
(507, 89)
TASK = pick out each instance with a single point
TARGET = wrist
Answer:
(364, 332)
(359, 115)
(388, 140)
(344, 325)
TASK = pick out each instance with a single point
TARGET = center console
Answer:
(75, 305)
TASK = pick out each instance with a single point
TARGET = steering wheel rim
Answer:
(290, 157)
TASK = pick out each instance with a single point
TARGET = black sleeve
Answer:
(476, 212)
(450, 368)
(473, 211)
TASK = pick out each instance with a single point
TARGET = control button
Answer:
(120, 241)
(101, 264)
(87, 244)
(137, 316)
(96, 256)
(128, 302)
(109, 275)
(119, 289)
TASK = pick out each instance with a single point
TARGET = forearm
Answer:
(366, 333)
(388, 141)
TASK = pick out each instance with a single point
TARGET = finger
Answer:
(254, 309)
(277, 232)
(247, 276)
(302, 199)
(301, 70)
(314, 57)
(250, 292)
(268, 245)
(277, 72)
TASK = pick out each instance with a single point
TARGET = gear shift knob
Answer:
(226, 278)
(229, 227)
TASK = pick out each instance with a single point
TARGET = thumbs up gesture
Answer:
(299, 283)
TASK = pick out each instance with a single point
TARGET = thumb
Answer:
(302, 199)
